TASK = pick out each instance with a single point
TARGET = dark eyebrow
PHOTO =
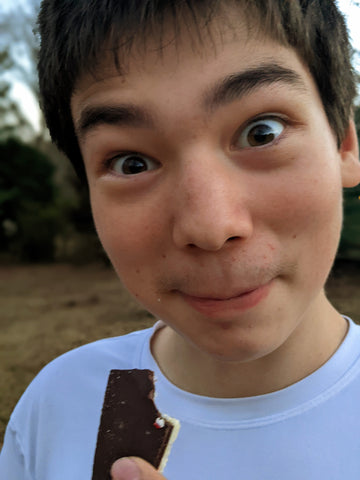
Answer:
(236, 85)
(230, 88)
(121, 115)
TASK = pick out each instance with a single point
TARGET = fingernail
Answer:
(125, 469)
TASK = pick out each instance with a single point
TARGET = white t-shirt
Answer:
(310, 430)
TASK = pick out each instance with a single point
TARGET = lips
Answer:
(213, 305)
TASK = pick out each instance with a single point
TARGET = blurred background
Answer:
(57, 290)
(44, 213)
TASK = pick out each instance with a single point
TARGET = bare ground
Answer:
(49, 309)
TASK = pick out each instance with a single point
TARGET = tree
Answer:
(11, 117)
(350, 239)
(29, 216)
(19, 47)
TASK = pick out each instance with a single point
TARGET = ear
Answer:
(349, 152)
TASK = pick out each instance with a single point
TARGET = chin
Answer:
(242, 351)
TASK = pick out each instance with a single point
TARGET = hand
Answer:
(134, 468)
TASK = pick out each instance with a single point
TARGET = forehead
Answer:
(174, 44)
(119, 56)
(185, 74)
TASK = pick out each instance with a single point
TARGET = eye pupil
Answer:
(133, 165)
(260, 135)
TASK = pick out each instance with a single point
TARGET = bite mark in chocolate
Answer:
(130, 423)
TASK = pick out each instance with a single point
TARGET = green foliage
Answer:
(350, 239)
(357, 121)
(29, 215)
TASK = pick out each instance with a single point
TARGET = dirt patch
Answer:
(47, 310)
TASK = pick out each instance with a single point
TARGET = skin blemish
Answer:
(225, 326)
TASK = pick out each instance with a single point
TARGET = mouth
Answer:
(213, 305)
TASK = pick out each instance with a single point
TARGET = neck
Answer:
(311, 344)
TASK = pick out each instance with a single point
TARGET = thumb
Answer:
(133, 468)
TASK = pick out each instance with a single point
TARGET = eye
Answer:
(260, 132)
(132, 164)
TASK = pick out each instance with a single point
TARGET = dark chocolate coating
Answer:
(127, 422)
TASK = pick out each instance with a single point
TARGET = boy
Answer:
(215, 137)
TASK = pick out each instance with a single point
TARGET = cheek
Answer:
(307, 196)
(320, 206)
(310, 218)
(131, 236)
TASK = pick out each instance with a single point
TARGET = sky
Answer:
(352, 15)
(20, 92)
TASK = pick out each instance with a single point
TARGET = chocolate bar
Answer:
(130, 423)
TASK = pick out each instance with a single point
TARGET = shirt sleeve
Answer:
(12, 462)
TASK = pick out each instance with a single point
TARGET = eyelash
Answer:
(108, 164)
(258, 118)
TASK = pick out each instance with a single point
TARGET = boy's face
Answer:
(216, 188)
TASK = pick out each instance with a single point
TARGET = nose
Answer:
(211, 209)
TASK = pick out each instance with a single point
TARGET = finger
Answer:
(133, 468)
